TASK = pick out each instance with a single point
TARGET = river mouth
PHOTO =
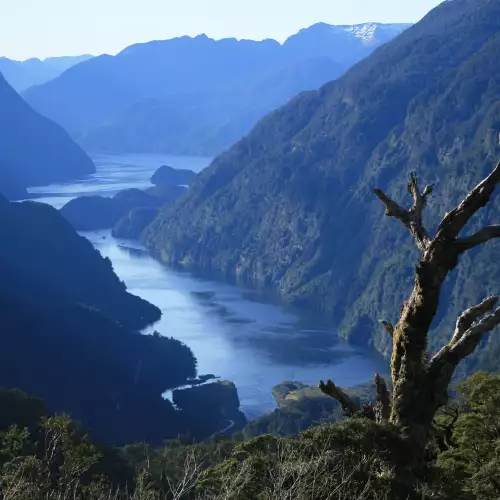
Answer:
(237, 333)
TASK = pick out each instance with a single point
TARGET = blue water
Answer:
(236, 333)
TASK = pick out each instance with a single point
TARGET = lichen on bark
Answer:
(419, 385)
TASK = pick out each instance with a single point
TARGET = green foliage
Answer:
(471, 466)
(301, 407)
(61, 463)
(355, 459)
(133, 224)
(14, 442)
(329, 462)
(18, 408)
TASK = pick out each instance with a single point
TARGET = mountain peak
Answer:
(301, 180)
(340, 42)
(370, 33)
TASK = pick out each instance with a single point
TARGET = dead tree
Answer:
(420, 385)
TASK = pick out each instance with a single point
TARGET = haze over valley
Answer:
(196, 95)
(238, 268)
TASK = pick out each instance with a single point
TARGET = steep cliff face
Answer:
(291, 204)
(33, 149)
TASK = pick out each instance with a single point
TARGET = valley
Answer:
(244, 335)
(238, 268)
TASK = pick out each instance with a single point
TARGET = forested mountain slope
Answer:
(33, 149)
(292, 205)
(69, 331)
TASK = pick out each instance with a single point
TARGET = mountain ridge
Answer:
(192, 95)
(22, 75)
(291, 204)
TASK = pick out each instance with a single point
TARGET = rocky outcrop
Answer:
(301, 406)
(215, 404)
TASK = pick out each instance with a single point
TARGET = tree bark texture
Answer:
(420, 386)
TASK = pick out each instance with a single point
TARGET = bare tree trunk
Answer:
(421, 387)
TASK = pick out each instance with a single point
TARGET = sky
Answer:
(46, 28)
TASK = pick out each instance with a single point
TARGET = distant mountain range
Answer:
(196, 95)
(291, 205)
(33, 149)
(22, 75)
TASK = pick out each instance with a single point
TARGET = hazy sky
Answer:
(42, 28)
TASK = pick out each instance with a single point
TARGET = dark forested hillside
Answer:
(33, 150)
(70, 334)
(292, 205)
(68, 331)
(41, 249)
(196, 95)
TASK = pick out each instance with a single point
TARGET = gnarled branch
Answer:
(444, 434)
(348, 405)
(471, 315)
(419, 199)
(383, 404)
(389, 327)
(472, 337)
(467, 336)
(392, 209)
(412, 218)
(486, 234)
(456, 220)
(419, 387)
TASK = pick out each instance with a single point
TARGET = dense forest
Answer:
(70, 335)
(411, 441)
(290, 205)
(45, 456)
(298, 204)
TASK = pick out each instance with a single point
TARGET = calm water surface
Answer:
(236, 333)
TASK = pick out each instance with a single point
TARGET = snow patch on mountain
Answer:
(371, 33)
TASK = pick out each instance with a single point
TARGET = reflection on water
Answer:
(114, 173)
(238, 334)
(233, 333)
